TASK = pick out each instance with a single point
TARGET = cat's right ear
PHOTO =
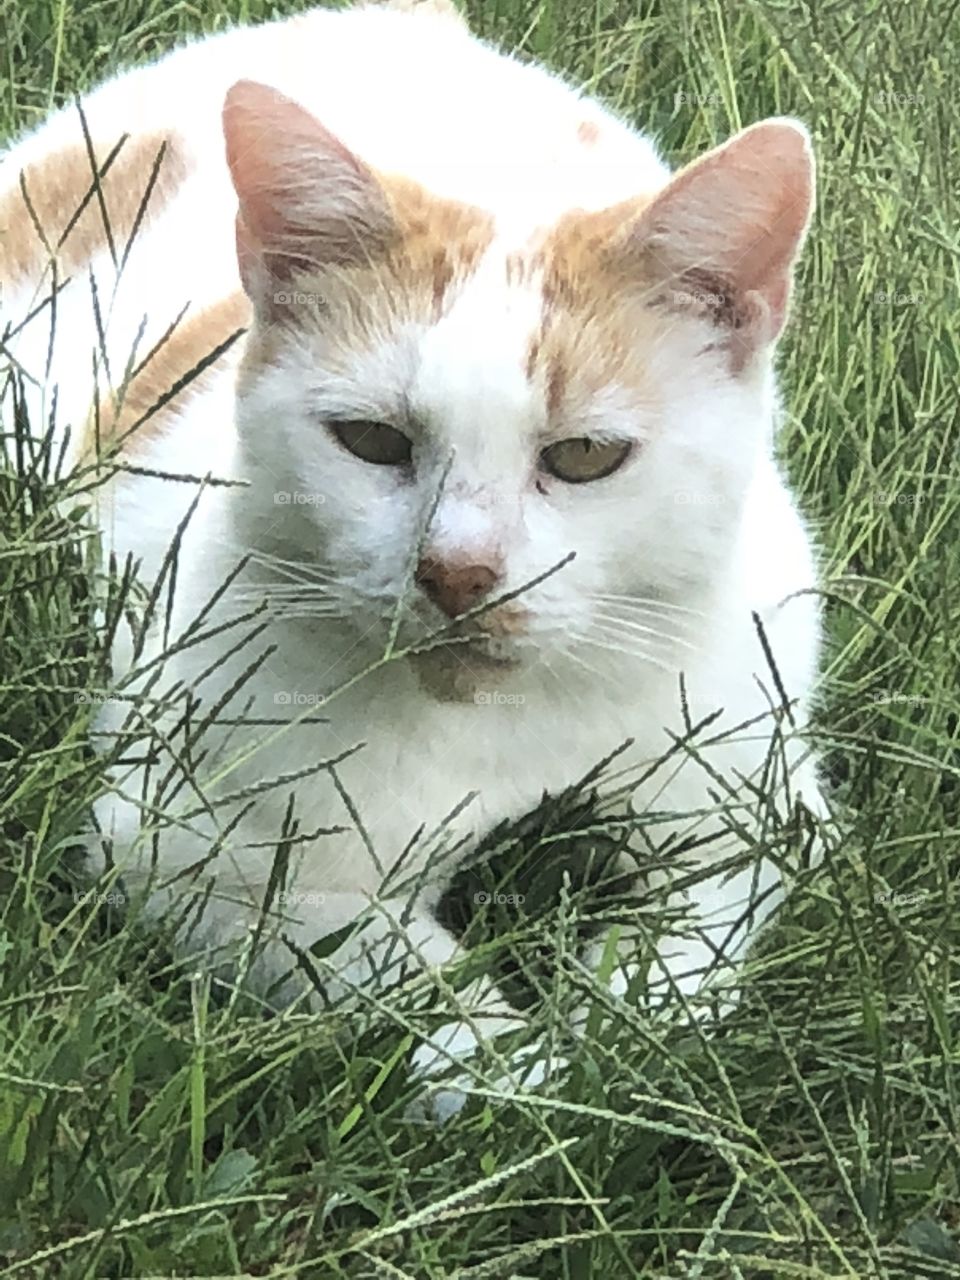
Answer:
(305, 200)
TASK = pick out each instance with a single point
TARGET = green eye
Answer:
(374, 442)
(580, 459)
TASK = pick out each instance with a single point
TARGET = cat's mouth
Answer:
(468, 659)
(463, 669)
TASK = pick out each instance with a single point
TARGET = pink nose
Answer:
(455, 586)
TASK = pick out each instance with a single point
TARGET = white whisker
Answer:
(639, 629)
(646, 603)
(601, 642)
(292, 570)
(288, 615)
(281, 591)
(580, 661)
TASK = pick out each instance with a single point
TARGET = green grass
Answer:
(150, 1129)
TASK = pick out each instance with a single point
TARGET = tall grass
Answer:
(150, 1127)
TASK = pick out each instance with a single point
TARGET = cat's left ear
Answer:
(723, 235)
(305, 199)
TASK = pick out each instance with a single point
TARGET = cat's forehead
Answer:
(473, 377)
(496, 327)
(511, 317)
(535, 332)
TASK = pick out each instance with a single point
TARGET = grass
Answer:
(148, 1128)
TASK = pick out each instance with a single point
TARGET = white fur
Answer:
(699, 519)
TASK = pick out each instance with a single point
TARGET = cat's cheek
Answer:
(372, 528)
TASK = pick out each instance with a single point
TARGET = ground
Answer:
(149, 1127)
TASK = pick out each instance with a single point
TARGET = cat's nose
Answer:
(455, 586)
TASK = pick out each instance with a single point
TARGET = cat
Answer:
(432, 359)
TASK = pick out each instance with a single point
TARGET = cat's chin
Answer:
(462, 673)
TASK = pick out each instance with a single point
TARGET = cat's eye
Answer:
(374, 442)
(580, 459)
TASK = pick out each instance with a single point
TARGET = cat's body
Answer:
(486, 321)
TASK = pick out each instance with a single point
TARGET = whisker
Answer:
(628, 624)
(647, 603)
(544, 662)
(607, 645)
(580, 661)
(303, 616)
(630, 645)
(280, 605)
(291, 568)
(283, 590)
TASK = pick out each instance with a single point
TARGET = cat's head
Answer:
(569, 418)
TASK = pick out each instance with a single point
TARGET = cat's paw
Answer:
(443, 1095)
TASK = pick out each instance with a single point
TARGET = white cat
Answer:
(497, 359)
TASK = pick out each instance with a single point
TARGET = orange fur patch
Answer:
(72, 210)
(588, 133)
(146, 399)
(440, 241)
(511, 619)
(412, 273)
(580, 256)
(594, 327)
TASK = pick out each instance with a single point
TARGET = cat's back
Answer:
(405, 86)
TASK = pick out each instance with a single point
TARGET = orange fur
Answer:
(439, 241)
(65, 217)
(593, 326)
(193, 340)
(588, 132)
(435, 244)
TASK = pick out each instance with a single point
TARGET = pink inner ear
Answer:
(736, 216)
(249, 256)
(303, 195)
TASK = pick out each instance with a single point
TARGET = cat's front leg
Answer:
(703, 951)
(479, 1013)
(223, 922)
(697, 960)
(397, 938)
(392, 940)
